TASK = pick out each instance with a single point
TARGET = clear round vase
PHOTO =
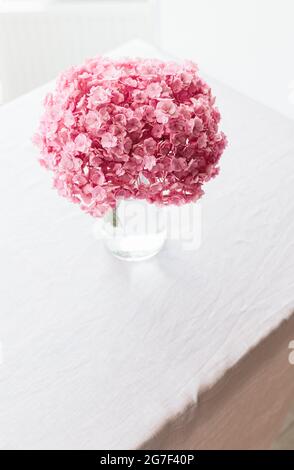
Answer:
(135, 230)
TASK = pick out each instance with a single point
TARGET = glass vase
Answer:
(134, 230)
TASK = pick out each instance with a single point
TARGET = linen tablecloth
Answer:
(98, 353)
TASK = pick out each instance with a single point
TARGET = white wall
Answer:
(249, 44)
(39, 39)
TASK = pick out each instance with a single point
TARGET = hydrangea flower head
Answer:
(128, 128)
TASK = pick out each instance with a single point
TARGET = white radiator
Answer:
(38, 40)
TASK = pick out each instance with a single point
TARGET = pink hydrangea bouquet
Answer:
(144, 129)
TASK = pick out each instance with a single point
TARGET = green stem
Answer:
(114, 216)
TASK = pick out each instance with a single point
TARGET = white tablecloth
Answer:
(98, 353)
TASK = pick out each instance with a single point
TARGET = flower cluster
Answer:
(130, 129)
